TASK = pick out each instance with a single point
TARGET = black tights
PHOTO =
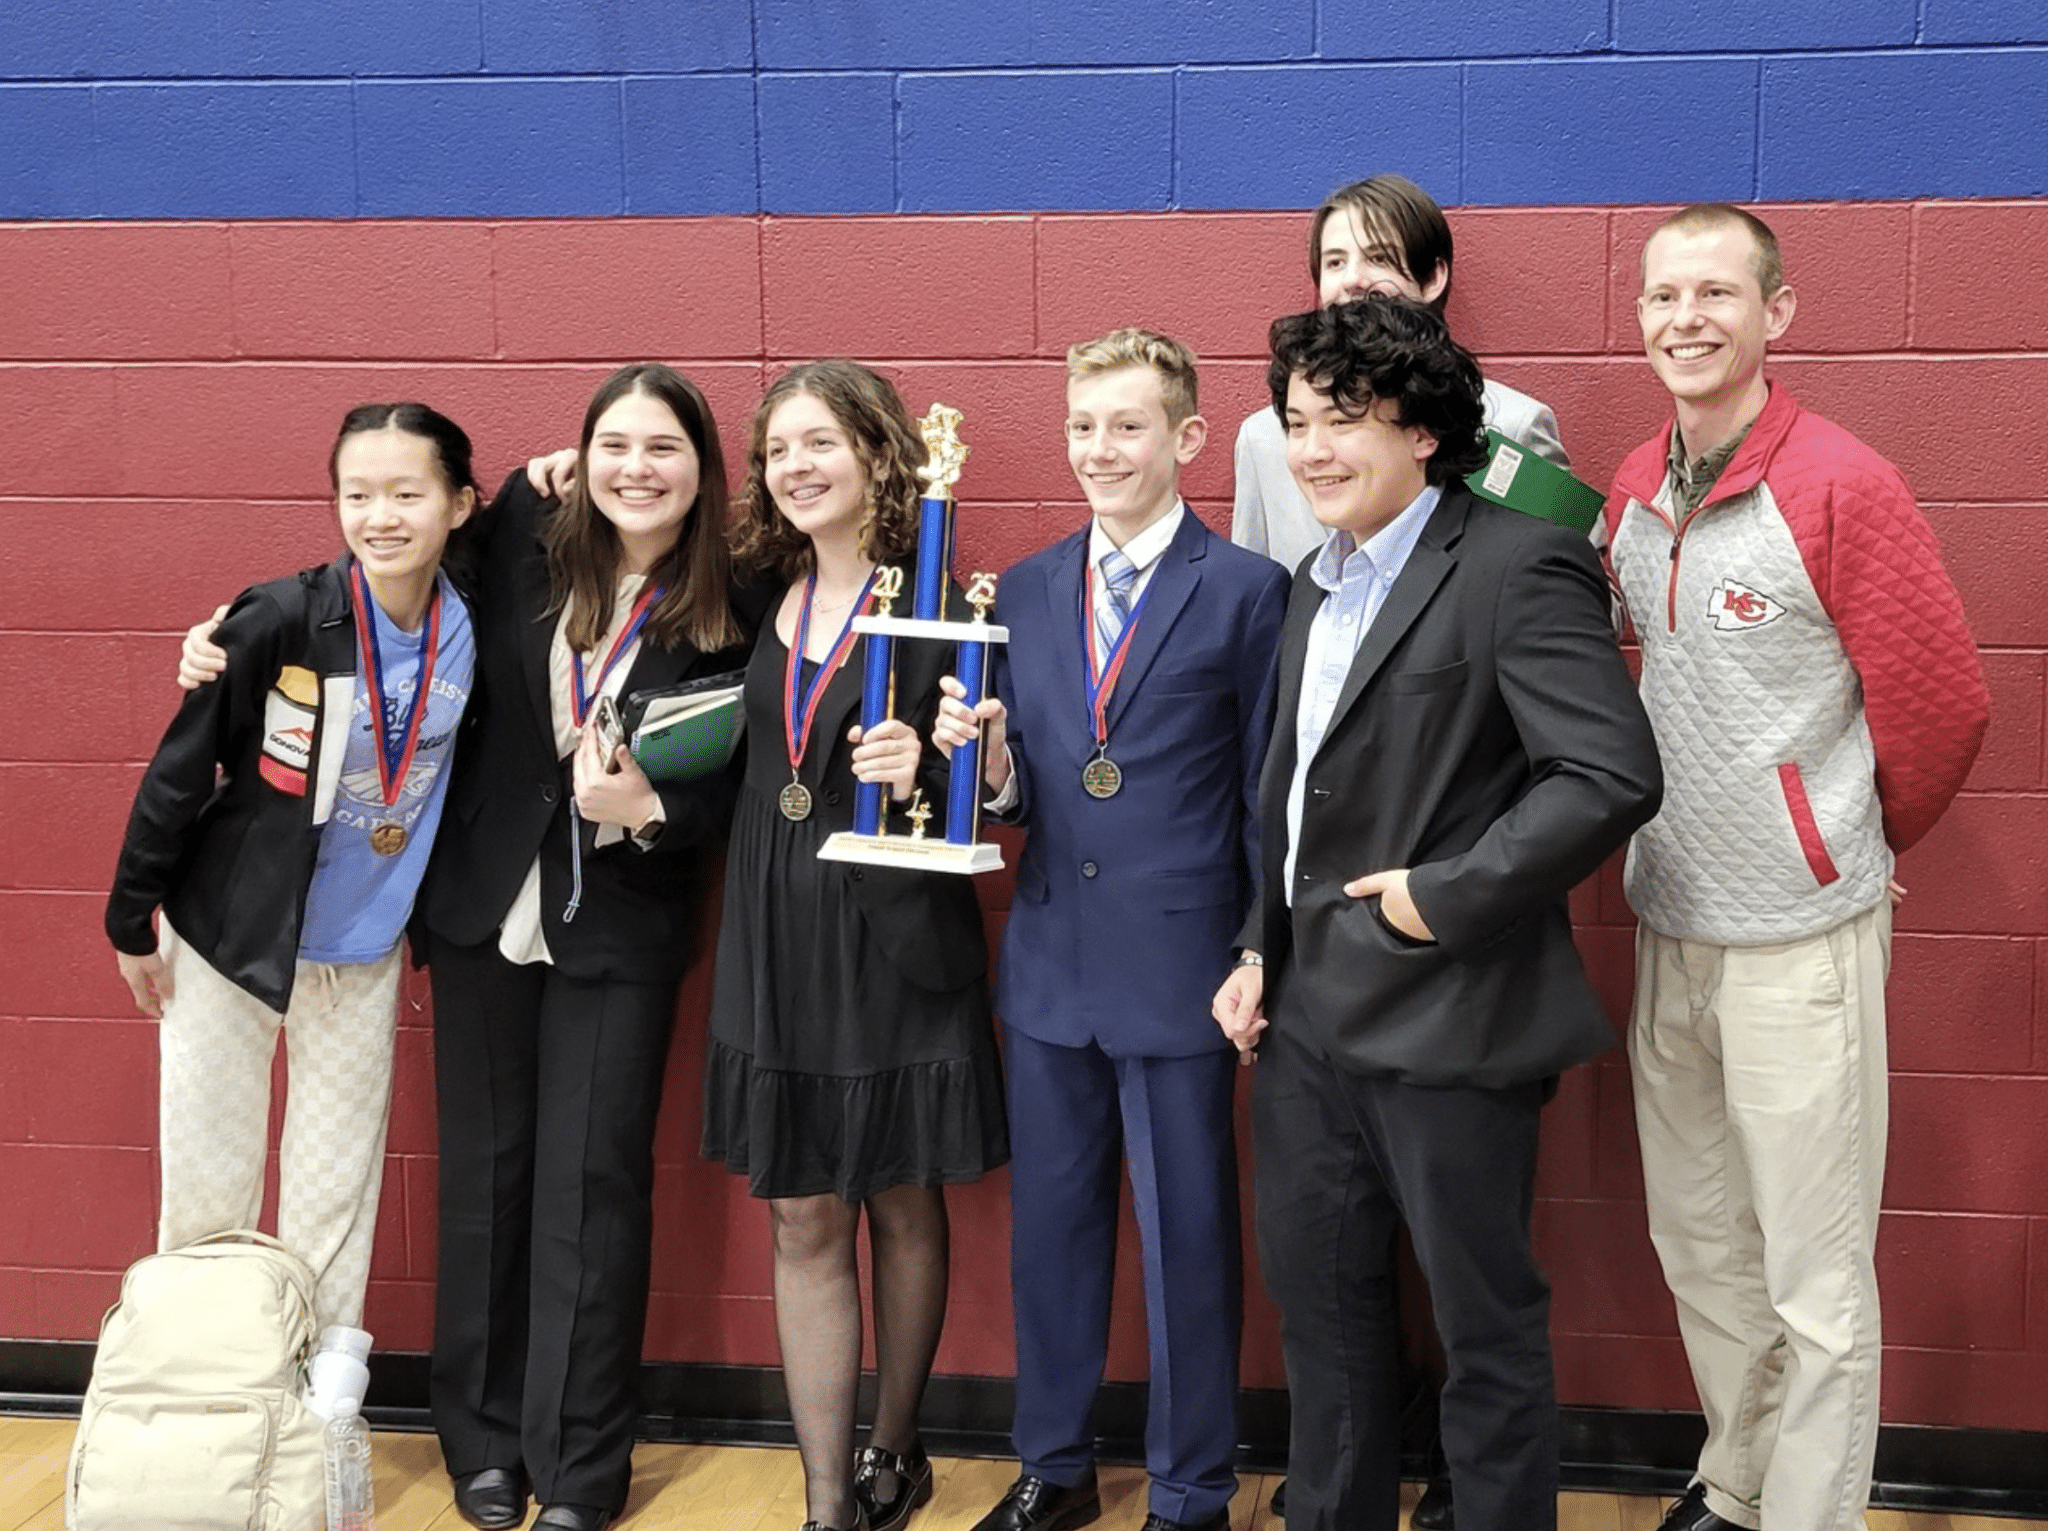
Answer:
(817, 1319)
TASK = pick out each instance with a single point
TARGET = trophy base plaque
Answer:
(911, 853)
(976, 631)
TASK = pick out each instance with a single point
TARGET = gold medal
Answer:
(1102, 777)
(795, 802)
(388, 839)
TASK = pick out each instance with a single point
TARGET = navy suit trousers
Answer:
(1071, 1110)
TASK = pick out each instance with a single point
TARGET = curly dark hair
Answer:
(887, 444)
(1382, 347)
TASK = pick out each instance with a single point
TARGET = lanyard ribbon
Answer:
(800, 703)
(580, 696)
(395, 747)
(1101, 680)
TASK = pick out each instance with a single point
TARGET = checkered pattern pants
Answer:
(217, 1044)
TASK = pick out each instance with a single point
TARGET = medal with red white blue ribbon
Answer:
(800, 702)
(1102, 777)
(398, 737)
(581, 697)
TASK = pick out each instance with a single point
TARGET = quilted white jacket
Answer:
(1815, 691)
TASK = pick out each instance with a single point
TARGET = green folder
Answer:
(1523, 479)
(691, 740)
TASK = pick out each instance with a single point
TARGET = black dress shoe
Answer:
(491, 1498)
(1690, 1513)
(572, 1517)
(1280, 1499)
(913, 1473)
(1434, 1510)
(1220, 1521)
(1032, 1504)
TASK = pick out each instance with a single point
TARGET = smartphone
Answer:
(611, 731)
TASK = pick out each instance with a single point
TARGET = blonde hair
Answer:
(1765, 259)
(1173, 362)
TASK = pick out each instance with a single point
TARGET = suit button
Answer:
(1089, 869)
(832, 797)
(548, 793)
(859, 875)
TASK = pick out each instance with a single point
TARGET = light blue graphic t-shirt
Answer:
(359, 900)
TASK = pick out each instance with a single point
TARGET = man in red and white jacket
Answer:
(1818, 700)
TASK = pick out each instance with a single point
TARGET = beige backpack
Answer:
(193, 1420)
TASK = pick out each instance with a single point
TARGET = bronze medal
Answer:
(388, 839)
(795, 802)
(1102, 777)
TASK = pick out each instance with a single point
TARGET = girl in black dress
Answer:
(852, 1067)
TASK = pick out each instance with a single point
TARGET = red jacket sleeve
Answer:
(1879, 572)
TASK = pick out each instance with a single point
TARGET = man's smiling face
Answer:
(1706, 321)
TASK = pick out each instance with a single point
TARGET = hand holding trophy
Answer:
(960, 850)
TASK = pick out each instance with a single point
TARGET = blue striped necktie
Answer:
(1119, 577)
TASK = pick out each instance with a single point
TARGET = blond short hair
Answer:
(1765, 259)
(1173, 362)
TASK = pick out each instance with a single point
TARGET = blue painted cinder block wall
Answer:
(494, 108)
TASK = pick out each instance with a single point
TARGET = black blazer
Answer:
(1489, 738)
(223, 835)
(510, 798)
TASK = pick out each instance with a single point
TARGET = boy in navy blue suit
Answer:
(1130, 720)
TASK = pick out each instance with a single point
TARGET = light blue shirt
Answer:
(1355, 578)
(358, 901)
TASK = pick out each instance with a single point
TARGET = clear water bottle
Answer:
(351, 1498)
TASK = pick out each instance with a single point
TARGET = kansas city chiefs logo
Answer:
(1737, 608)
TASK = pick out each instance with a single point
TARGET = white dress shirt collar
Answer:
(1143, 550)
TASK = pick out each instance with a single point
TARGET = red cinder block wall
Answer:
(169, 392)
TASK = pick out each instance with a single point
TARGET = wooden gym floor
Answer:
(741, 1488)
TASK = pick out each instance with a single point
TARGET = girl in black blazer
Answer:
(852, 1067)
(559, 915)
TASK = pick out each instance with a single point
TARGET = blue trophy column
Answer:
(874, 709)
(963, 781)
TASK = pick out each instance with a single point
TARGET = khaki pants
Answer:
(1760, 1095)
(217, 1043)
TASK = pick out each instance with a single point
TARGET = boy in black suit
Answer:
(1458, 744)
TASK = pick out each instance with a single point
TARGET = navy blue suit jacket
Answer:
(1127, 907)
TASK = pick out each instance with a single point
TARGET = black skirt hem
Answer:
(801, 1134)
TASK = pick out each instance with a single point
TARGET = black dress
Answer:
(851, 1044)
